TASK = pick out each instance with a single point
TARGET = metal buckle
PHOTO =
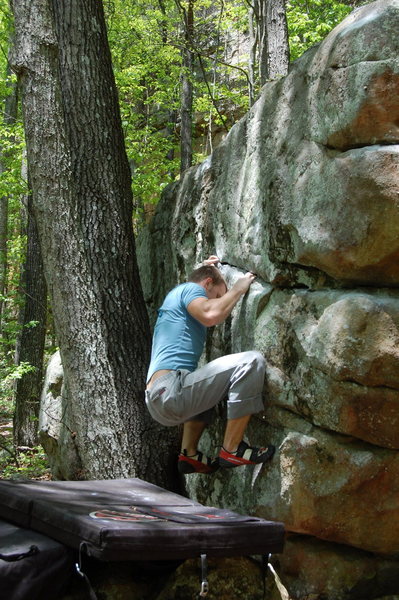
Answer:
(204, 589)
(204, 572)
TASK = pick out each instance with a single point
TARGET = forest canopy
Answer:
(147, 45)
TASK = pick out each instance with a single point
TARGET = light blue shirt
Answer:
(178, 338)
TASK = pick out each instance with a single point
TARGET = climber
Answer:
(180, 392)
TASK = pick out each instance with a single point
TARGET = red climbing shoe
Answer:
(245, 455)
(198, 463)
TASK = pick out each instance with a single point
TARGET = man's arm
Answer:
(215, 311)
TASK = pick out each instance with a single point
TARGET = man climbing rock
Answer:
(179, 392)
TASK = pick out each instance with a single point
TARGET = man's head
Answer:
(211, 280)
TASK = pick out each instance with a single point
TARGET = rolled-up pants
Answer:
(180, 396)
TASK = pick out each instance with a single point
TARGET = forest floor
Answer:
(18, 462)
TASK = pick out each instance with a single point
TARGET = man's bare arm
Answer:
(215, 311)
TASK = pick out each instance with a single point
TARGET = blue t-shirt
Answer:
(178, 338)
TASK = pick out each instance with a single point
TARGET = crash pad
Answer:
(131, 519)
(33, 566)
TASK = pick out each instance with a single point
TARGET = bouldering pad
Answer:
(32, 566)
(130, 519)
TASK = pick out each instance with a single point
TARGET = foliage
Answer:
(310, 21)
(26, 463)
(146, 40)
(12, 145)
(146, 66)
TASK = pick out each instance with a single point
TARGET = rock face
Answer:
(304, 191)
(55, 435)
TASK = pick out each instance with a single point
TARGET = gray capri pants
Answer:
(181, 395)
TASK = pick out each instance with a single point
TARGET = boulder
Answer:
(321, 484)
(304, 192)
(333, 358)
(311, 569)
(330, 487)
(227, 578)
(305, 181)
(56, 437)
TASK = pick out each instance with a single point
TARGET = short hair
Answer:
(207, 271)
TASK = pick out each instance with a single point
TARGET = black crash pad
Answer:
(32, 566)
(130, 519)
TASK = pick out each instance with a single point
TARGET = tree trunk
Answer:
(261, 9)
(186, 96)
(253, 44)
(81, 196)
(3, 250)
(30, 343)
(278, 53)
(10, 115)
(272, 36)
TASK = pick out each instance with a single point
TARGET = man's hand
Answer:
(242, 284)
(212, 260)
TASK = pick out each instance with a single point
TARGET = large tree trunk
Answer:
(83, 207)
(30, 343)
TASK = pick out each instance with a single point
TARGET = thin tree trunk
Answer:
(30, 343)
(10, 115)
(3, 250)
(253, 44)
(81, 195)
(261, 11)
(186, 96)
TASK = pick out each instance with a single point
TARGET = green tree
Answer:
(146, 63)
(309, 21)
(12, 185)
(147, 43)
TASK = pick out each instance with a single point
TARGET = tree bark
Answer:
(186, 96)
(261, 10)
(3, 250)
(81, 196)
(253, 44)
(30, 343)
(10, 115)
(272, 38)
(278, 54)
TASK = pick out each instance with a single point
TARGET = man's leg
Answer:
(239, 377)
(192, 460)
(192, 431)
(235, 432)
(235, 452)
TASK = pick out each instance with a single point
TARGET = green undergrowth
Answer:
(18, 462)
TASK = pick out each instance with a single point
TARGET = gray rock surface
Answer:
(304, 191)
(56, 437)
